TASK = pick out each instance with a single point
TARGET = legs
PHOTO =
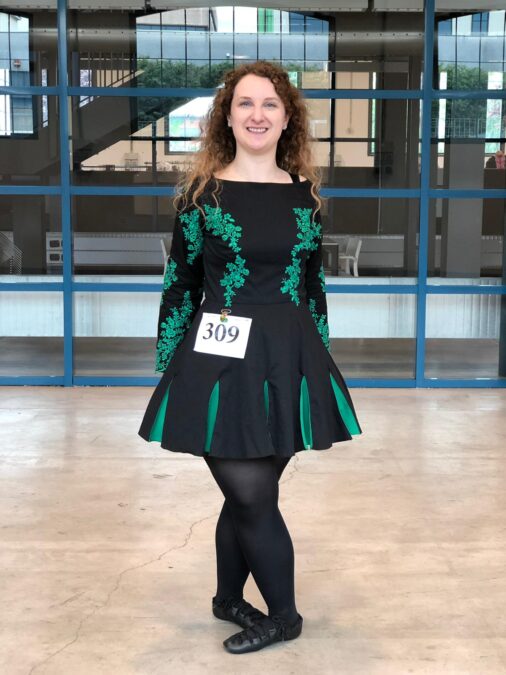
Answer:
(251, 490)
(232, 567)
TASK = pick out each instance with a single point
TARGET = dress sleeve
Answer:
(315, 286)
(183, 284)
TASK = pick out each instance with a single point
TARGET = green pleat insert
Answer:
(266, 398)
(305, 415)
(212, 411)
(344, 409)
(157, 428)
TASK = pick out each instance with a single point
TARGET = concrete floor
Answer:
(107, 542)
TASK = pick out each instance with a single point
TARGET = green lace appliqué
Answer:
(308, 234)
(169, 278)
(321, 322)
(193, 234)
(172, 331)
(234, 278)
(321, 276)
(223, 225)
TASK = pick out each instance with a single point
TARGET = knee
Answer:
(250, 504)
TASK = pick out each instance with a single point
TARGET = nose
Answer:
(257, 115)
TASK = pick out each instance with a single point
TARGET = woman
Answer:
(248, 379)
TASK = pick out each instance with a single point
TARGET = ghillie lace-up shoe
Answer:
(237, 611)
(265, 632)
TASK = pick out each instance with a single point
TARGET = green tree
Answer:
(463, 78)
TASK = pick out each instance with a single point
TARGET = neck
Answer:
(261, 168)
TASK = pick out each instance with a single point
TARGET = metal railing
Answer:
(102, 69)
(461, 127)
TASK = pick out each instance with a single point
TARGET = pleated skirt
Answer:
(286, 395)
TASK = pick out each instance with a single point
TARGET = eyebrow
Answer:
(267, 98)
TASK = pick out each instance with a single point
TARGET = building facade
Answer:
(100, 111)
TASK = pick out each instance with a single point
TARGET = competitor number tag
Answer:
(223, 338)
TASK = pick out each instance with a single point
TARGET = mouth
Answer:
(257, 130)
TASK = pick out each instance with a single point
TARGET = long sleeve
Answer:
(315, 287)
(183, 284)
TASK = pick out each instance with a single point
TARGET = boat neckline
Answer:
(256, 182)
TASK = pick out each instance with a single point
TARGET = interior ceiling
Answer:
(308, 5)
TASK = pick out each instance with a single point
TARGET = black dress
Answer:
(259, 254)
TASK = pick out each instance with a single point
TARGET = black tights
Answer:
(251, 534)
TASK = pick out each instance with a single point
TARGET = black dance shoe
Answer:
(237, 611)
(265, 632)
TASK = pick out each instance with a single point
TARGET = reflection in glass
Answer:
(115, 334)
(378, 49)
(373, 335)
(370, 238)
(127, 235)
(468, 142)
(471, 48)
(376, 143)
(192, 47)
(134, 141)
(466, 239)
(465, 336)
(28, 53)
(30, 236)
(31, 333)
(29, 140)
(148, 140)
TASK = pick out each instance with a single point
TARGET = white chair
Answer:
(352, 251)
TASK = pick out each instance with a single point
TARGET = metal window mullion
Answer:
(421, 309)
(65, 195)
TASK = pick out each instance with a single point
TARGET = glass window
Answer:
(134, 141)
(466, 240)
(378, 50)
(189, 47)
(115, 334)
(118, 237)
(31, 333)
(30, 238)
(29, 140)
(28, 45)
(468, 143)
(150, 140)
(470, 48)
(194, 47)
(367, 240)
(465, 337)
(373, 335)
(376, 142)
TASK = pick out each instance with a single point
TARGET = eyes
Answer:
(274, 105)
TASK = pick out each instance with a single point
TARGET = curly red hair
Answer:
(218, 145)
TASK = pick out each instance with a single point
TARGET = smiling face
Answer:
(257, 114)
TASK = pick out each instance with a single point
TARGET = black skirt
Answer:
(284, 396)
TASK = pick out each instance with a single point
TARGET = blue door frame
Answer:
(65, 191)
